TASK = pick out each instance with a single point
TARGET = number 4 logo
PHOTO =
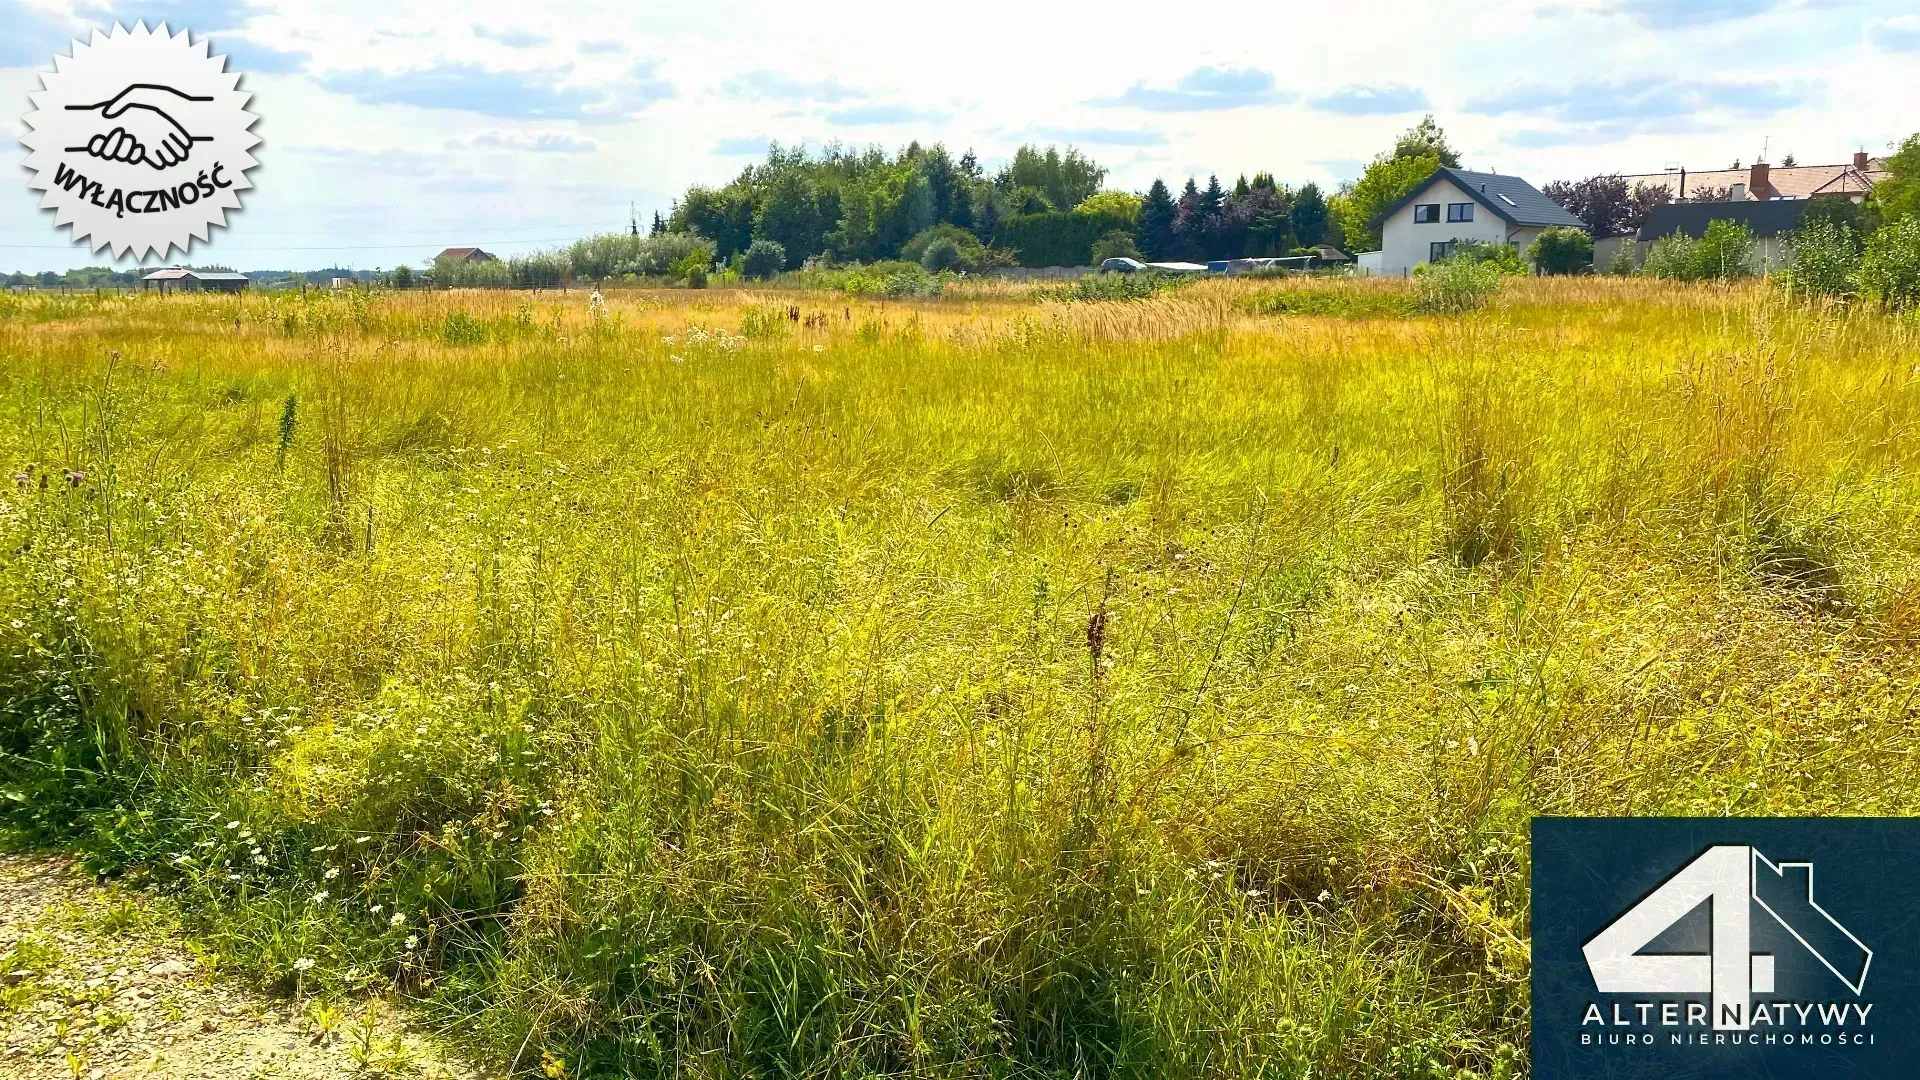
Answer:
(1732, 878)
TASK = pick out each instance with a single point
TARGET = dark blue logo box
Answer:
(1711, 948)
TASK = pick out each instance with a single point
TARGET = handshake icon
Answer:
(144, 130)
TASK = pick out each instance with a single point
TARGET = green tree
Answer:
(1153, 233)
(1897, 195)
(1890, 266)
(1822, 258)
(1385, 182)
(1425, 139)
(401, 277)
(1117, 204)
(1309, 215)
(1562, 249)
(941, 254)
(1117, 244)
(763, 259)
(1726, 251)
(1066, 180)
(790, 216)
(1859, 219)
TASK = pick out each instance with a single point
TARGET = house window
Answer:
(1426, 213)
(1459, 211)
(1440, 249)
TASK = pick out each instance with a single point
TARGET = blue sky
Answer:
(394, 130)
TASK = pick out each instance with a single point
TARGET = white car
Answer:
(1121, 266)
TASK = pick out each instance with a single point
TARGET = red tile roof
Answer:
(1783, 181)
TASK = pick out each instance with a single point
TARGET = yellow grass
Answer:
(972, 686)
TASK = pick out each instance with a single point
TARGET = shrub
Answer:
(763, 259)
(401, 277)
(1726, 251)
(1117, 244)
(1562, 250)
(1889, 269)
(1098, 287)
(942, 254)
(972, 254)
(1822, 257)
(612, 255)
(1621, 265)
(1502, 258)
(692, 268)
(1456, 285)
(1670, 257)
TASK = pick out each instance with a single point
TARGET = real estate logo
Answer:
(1681, 948)
(140, 141)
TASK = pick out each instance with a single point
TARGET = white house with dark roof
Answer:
(1454, 205)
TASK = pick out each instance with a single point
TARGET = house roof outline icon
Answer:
(1857, 986)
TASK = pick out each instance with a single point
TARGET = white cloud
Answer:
(1898, 34)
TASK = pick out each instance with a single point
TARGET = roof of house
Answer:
(1511, 199)
(181, 273)
(462, 253)
(1770, 218)
(1783, 181)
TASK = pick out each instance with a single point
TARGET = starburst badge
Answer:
(140, 140)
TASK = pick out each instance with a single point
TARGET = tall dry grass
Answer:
(779, 683)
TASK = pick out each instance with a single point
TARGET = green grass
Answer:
(957, 687)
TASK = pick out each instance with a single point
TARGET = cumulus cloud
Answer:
(764, 85)
(1667, 14)
(539, 142)
(517, 95)
(873, 115)
(1372, 100)
(512, 37)
(1102, 136)
(1201, 90)
(1644, 99)
(29, 36)
(1898, 34)
(537, 94)
(199, 16)
(247, 55)
(741, 146)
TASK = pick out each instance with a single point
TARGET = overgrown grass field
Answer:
(783, 684)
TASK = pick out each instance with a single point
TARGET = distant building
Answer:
(1454, 205)
(1769, 222)
(181, 279)
(1762, 182)
(464, 255)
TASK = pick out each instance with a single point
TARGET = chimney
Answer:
(1738, 193)
(1861, 160)
(1757, 180)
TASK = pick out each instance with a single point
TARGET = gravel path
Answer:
(95, 982)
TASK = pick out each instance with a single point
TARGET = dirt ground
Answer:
(96, 982)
